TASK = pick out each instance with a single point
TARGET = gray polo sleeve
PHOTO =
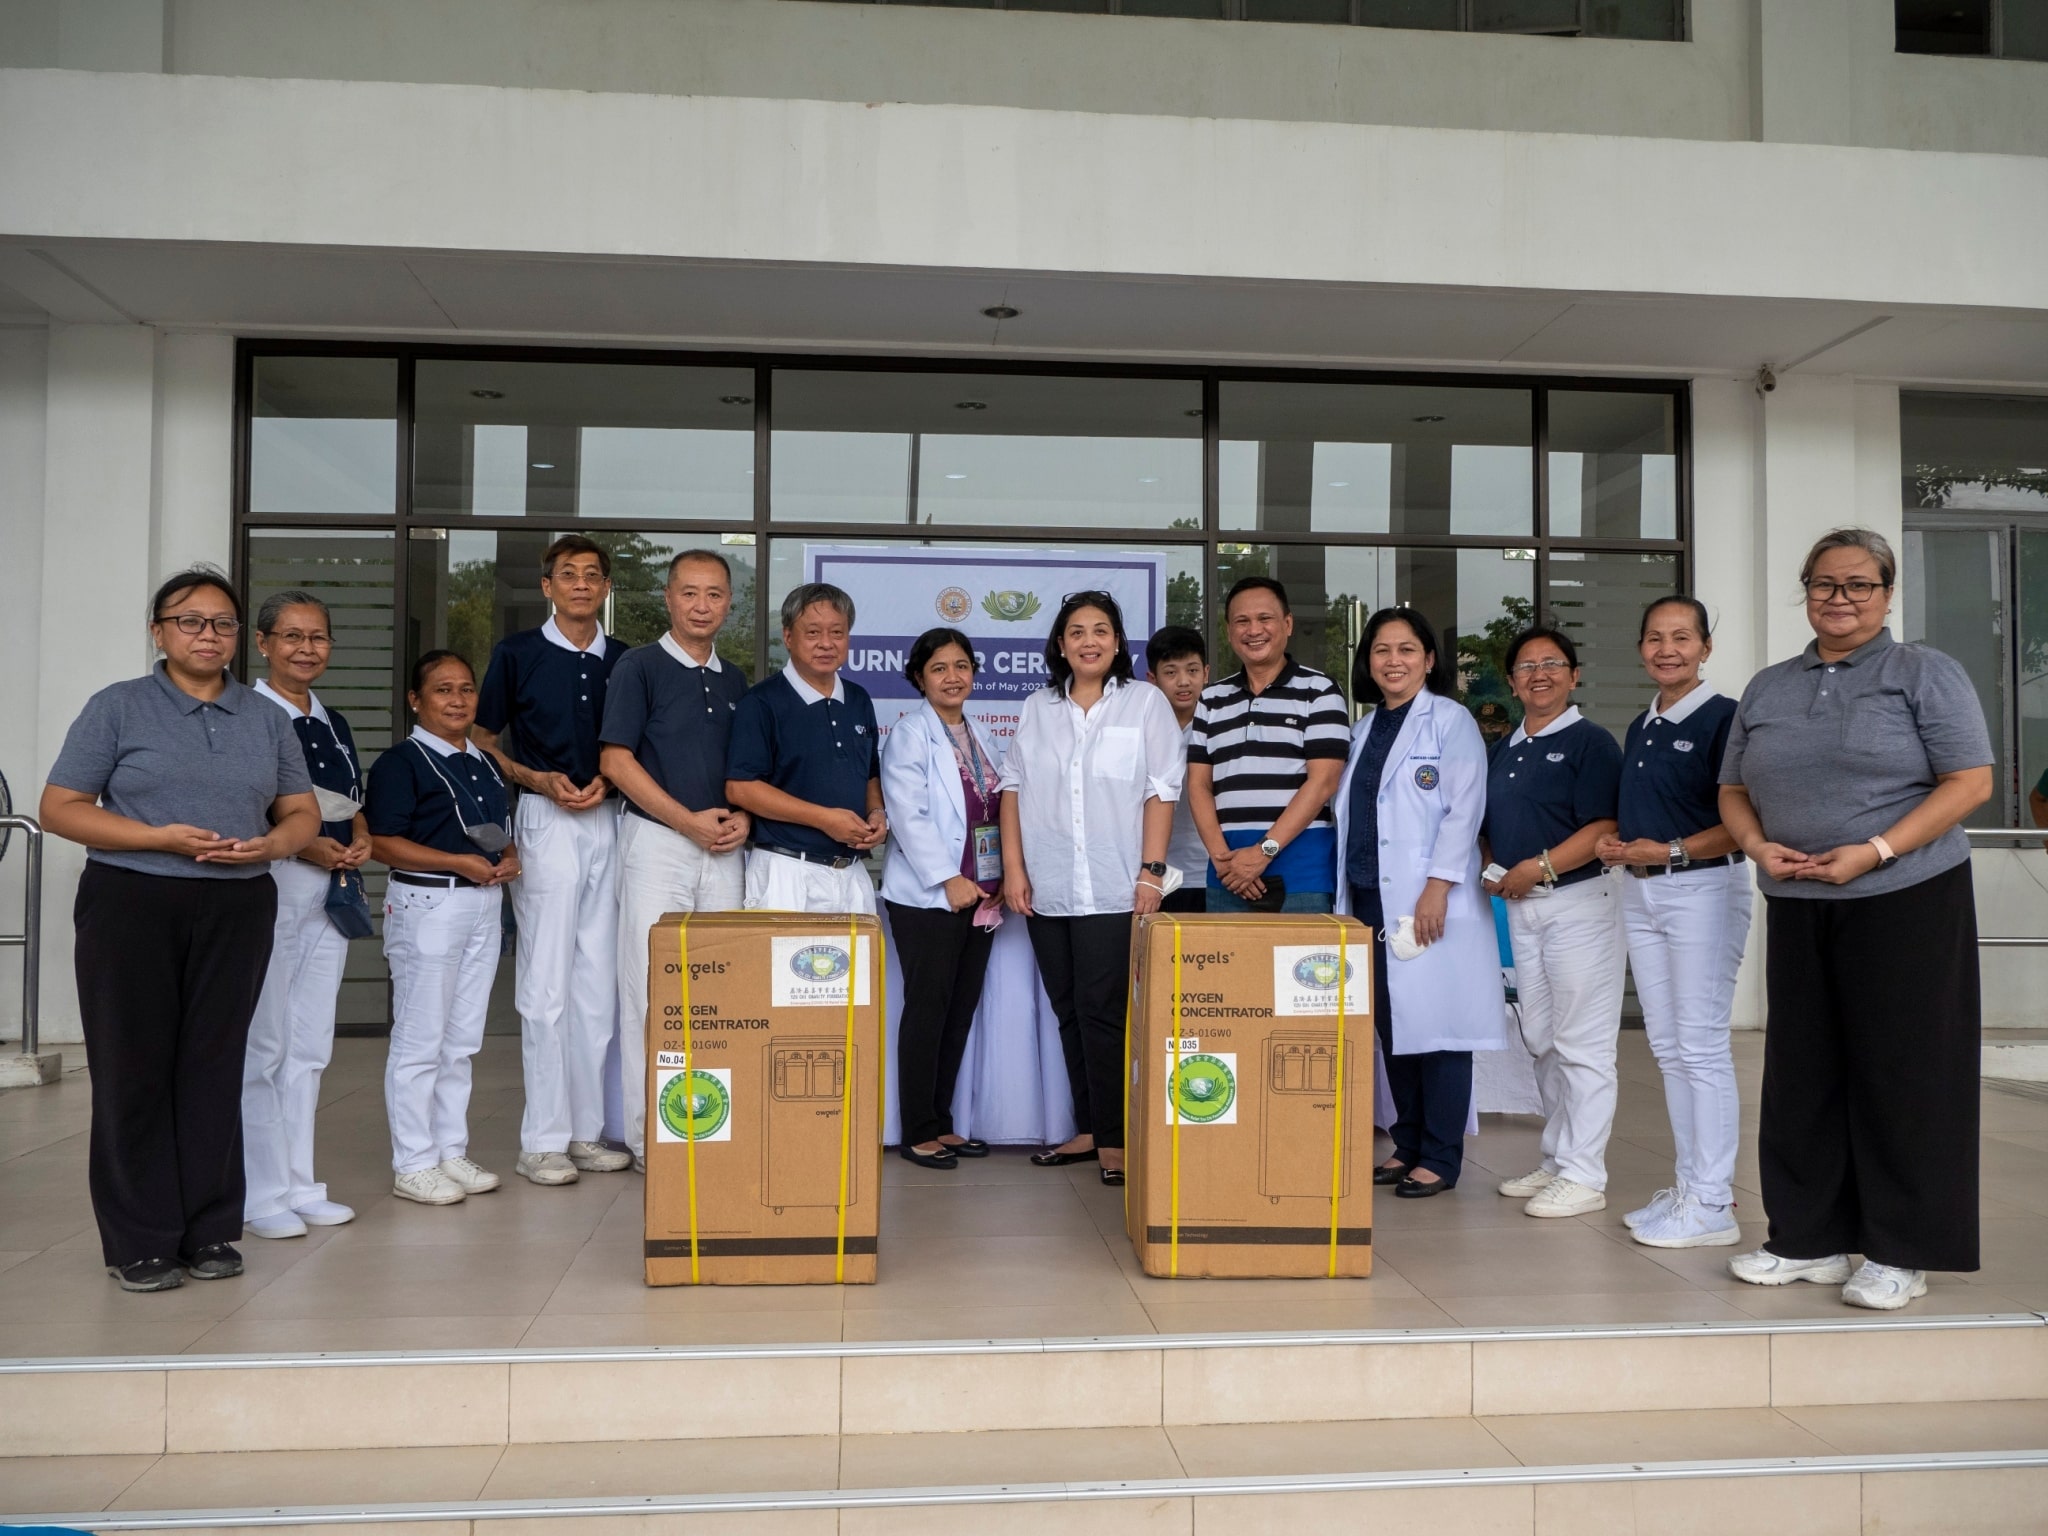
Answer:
(1948, 713)
(1738, 735)
(91, 747)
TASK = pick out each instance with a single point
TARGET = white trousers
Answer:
(566, 900)
(1569, 968)
(660, 871)
(443, 945)
(778, 883)
(291, 1040)
(1685, 932)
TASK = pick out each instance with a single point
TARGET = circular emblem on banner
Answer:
(1318, 971)
(1204, 1088)
(820, 962)
(1425, 776)
(954, 604)
(695, 1105)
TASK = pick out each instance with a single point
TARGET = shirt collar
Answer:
(436, 745)
(317, 712)
(1241, 680)
(1679, 712)
(1570, 717)
(552, 633)
(1881, 641)
(674, 647)
(809, 695)
(231, 694)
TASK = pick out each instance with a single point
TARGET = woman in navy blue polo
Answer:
(1685, 909)
(440, 817)
(1551, 788)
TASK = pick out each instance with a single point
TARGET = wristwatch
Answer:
(1155, 868)
(1270, 848)
(1885, 857)
(1679, 859)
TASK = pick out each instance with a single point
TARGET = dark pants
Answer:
(1189, 898)
(944, 957)
(169, 970)
(1085, 963)
(1432, 1090)
(1868, 1139)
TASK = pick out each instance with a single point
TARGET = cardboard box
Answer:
(1232, 1174)
(764, 1115)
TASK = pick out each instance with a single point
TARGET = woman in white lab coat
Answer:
(1408, 813)
(939, 783)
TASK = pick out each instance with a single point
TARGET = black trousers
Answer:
(169, 970)
(1189, 898)
(944, 957)
(1868, 1139)
(1432, 1090)
(1085, 963)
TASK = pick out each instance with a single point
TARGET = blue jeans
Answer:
(1221, 900)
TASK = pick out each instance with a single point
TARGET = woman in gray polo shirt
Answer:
(1848, 773)
(185, 787)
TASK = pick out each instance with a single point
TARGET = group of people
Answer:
(655, 780)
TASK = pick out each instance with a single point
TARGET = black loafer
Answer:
(928, 1159)
(216, 1261)
(1061, 1159)
(1415, 1189)
(968, 1148)
(1112, 1175)
(149, 1275)
(1392, 1175)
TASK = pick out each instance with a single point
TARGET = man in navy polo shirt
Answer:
(667, 718)
(803, 761)
(538, 714)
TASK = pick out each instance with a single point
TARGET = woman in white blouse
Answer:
(1088, 791)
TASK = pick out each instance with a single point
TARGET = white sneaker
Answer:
(545, 1168)
(639, 1162)
(596, 1157)
(279, 1224)
(1884, 1288)
(1565, 1197)
(325, 1213)
(1687, 1223)
(1660, 1202)
(1763, 1267)
(471, 1178)
(429, 1186)
(1527, 1184)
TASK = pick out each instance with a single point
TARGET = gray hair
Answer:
(812, 592)
(1869, 540)
(292, 597)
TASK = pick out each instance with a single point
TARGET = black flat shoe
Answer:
(1061, 1159)
(1415, 1189)
(216, 1261)
(1392, 1175)
(149, 1275)
(1112, 1175)
(928, 1159)
(967, 1148)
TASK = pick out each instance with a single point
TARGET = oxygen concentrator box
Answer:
(1248, 1132)
(764, 1098)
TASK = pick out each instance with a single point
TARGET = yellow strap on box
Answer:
(1173, 1099)
(689, 1082)
(1337, 1136)
(846, 1097)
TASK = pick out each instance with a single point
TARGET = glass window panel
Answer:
(1613, 467)
(1093, 7)
(1477, 599)
(1431, 15)
(2032, 680)
(1331, 12)
(583, 440)
(986, 450)
(1954, 597)
(1598, 599)
(1974, 452)
(323, 435)
(2023, 30)
(1655, 20)
(1944, 26)
(1200, 10)
(1375, 458)
(1525, 16)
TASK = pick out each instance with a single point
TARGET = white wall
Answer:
(24, 365)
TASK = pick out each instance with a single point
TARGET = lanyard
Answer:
(976, 765)
(455, 793)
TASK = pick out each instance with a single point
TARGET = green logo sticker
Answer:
(695, 1105)
(1203, 1088)
(1010, 607)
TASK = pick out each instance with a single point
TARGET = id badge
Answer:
(988, 853)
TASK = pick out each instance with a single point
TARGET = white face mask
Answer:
(335, 806)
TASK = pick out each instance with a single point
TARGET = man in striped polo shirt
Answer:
(1268, 748)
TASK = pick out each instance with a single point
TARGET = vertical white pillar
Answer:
(195, 447)
(24, 365)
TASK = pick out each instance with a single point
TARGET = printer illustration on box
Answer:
(1300, 1098)
(806, 1076)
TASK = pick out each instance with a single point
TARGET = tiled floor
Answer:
(998, 1249)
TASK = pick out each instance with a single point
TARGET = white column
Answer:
(24, 364)
(195, 449)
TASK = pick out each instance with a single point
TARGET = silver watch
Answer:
(1680, 859)
(1270, 848)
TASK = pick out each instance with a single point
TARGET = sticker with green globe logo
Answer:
(813, 970)
(1202, 1089)
(695, 1105)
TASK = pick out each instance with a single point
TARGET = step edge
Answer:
(105, 1521)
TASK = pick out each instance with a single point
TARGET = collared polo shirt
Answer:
(329, 748)
(545, 699)
(674, 714)
(820, 748)
(1258, 748)
(423, 790)
(1671, 767)
(1541, 789)
(1836, 752)
(151, 752)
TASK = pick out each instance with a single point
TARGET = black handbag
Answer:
(348, 904)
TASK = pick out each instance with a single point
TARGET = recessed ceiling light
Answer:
(1148, 479)
(970, 405)
(1428, 418)
(1195, 412)
(1002, 312)
(735, 399)
(543, 466)
(488, 394)
(956, 477)
(1338, 485)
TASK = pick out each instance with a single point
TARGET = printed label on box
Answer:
(1305, 981)
(693, 1105)
(1202, 1088)
(812, 971)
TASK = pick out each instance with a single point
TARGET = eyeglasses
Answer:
(1088, 599)
(292, 639)
(195, 623)
(1857, 589)
(1548, 666)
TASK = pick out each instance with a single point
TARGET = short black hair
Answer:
(928, 645)
(575, 544)
(191, 579)
(1062, 671)
(1176, 642)
(1245, 584)
(1442, 676)
(1681, 600)
(711, 555)
(1534, 632)
(432, 659)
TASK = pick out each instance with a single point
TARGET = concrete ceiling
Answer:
(450, 297)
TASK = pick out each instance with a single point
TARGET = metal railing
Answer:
(30, 939)
(2014, 838)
